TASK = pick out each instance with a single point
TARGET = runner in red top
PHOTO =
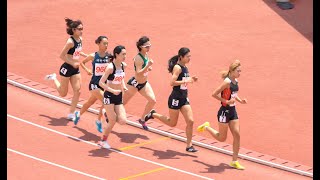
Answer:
(227, 114)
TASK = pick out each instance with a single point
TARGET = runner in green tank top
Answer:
(145, 61)
(139, 82)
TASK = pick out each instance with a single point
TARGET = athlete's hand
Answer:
(231, 101)
(195, 78)
(89, 72)
(149, 68)
(189, 80)
(244, 101)
(150, 62)
(125, 88)
(116, 92)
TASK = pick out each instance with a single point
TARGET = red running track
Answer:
(36, 129)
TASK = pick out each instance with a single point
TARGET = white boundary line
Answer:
(114, 150)
(135, 124)
(54, 164)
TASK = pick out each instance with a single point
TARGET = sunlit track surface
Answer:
(87, 157)
(245, 154)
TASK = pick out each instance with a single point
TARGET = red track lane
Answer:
(87, 158)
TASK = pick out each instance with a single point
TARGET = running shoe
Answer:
(237, 165)
(51, 76)
(98, 125)
(191, 149)
(149, 115)
(104, 144)
(71, 117)
(76, 117)
(143, 124)
(202, 127)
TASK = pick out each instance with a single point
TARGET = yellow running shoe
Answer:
(201, 128)
(237, 165)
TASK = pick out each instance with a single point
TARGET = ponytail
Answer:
(232, 67)
(224, 74)
(172, 61)
(71, 24)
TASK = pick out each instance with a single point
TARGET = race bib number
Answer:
(233, 95)
(222, 117)
(93, 86)
(63, 71)
(100, 68)
(106, 100)
(184, 86)
(118, 77)
(76, 54)
(134, 83)
(175, 102)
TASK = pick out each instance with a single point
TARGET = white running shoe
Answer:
(51, 76)
(104, 144)
(71, 117)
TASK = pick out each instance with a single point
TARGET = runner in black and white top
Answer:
(227, 114)
(113, 84)
(178, 100)
(69, 70)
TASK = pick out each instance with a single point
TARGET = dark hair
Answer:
(116, 50)
(173, 61)
(99, 39)
(72, 24)
(141, 41)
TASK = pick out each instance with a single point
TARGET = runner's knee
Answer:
(63, 93)
(222, 138)
(122, 120)
(152, 101)
(190, 123)
(173, 124)
(77, 91)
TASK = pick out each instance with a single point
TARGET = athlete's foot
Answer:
(237, 165)
(202, 127)
(149, 115)
(71, 117)
(51, 76)
(191, 149)
(143, 124)
(104, 144)
(98, 125)
(76, 117)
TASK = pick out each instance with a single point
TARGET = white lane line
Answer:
(54, 164)
(114, 150)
